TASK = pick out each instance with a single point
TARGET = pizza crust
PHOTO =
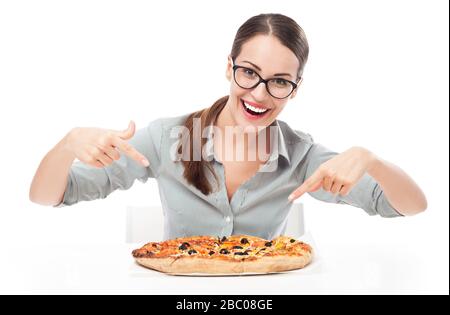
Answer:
(193, 264)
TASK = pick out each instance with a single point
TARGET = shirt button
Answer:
(228, 219)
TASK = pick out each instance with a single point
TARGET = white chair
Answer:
(145, 223)
(296, 221)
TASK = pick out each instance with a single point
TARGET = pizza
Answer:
(236, 254)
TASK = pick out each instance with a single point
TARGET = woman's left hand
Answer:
(339, 174)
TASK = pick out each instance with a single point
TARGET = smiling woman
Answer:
(271, 41)
(220, 194)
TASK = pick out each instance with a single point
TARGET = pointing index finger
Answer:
(311, 184)
(130, 151)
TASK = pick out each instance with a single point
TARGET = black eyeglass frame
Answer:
(265, 81)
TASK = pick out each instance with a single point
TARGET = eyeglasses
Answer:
(247, 78)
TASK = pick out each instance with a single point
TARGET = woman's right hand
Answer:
(100, 147)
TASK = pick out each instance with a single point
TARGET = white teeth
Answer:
(255, 109)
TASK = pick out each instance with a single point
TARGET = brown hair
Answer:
(291, 35)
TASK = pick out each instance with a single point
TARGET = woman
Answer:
(205, 189)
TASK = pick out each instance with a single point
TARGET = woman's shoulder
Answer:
(292, 135)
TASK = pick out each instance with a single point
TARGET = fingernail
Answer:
(145, 162)
(291, 197)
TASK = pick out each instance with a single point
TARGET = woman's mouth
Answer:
(253, 112)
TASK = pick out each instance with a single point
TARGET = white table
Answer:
(110, 268)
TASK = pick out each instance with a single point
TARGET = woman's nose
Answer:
(259, 92)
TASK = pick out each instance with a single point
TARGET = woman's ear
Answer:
(229, 70)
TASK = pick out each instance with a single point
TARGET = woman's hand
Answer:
(100, 147)
(339, 174)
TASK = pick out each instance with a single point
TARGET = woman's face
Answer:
(266, 56)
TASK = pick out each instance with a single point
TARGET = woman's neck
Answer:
(225, 121)
(225, 118)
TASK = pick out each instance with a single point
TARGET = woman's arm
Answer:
(339, 174)
(96, 149)
(50, 180)
(400, 189)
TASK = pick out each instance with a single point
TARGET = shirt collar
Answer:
(282, 148)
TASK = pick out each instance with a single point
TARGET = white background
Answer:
(377, 76)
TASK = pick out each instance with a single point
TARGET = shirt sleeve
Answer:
(366, 194)
(86, 182)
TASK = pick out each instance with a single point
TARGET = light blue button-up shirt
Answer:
(259, 206)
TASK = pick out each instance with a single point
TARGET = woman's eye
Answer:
(249, 72)
(280, 82)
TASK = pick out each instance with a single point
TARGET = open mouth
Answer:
(254, 111)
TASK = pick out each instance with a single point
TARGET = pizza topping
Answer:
(142, 253)
(184, 246)
(235, 247)
(244, 240)
(280, 245)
